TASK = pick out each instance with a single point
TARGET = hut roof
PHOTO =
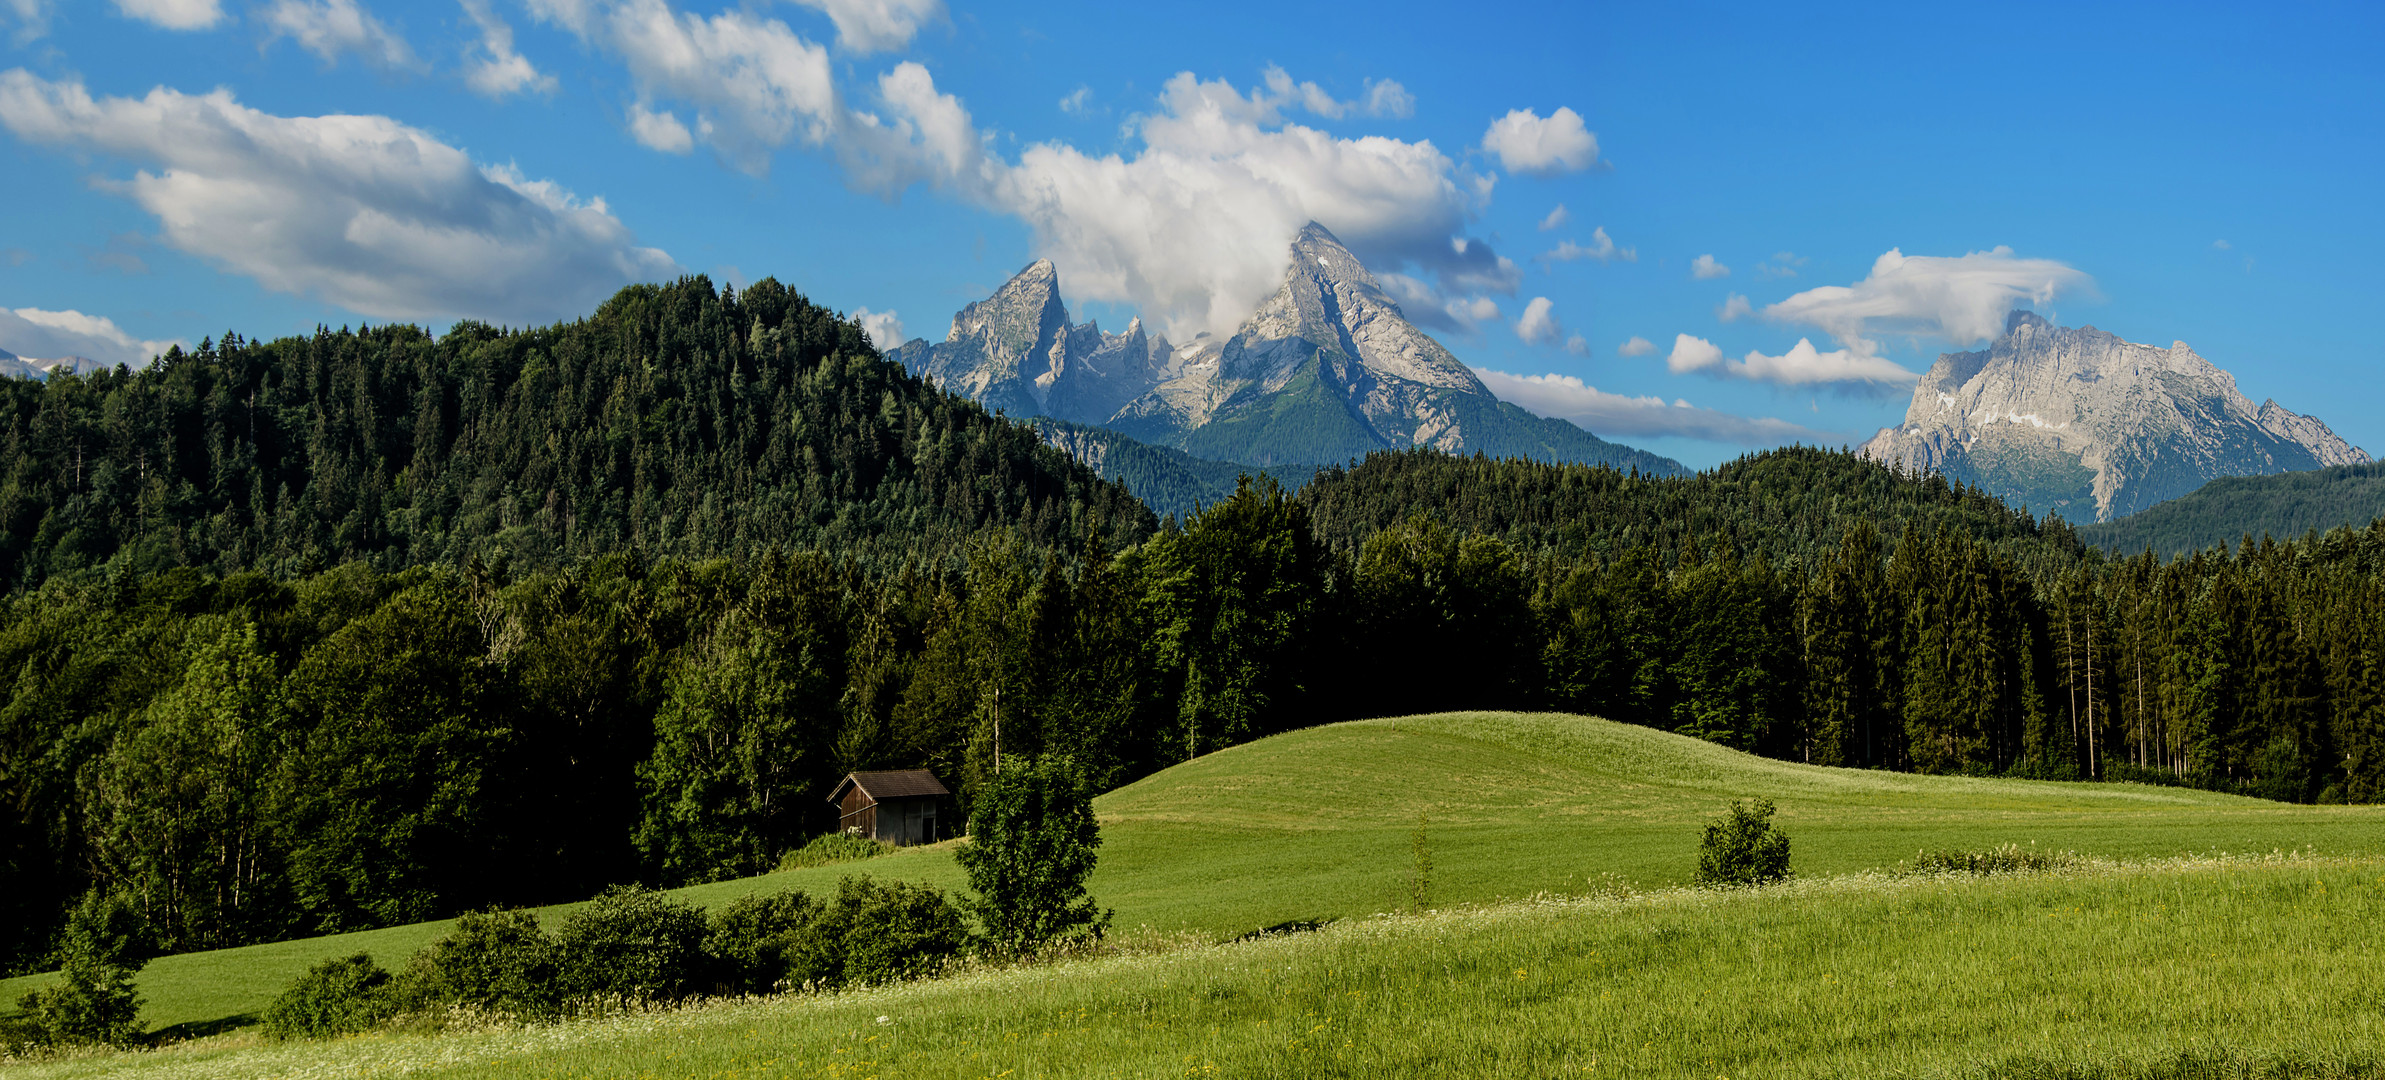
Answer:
(892, 784)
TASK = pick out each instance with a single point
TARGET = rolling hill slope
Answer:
(1319, 824)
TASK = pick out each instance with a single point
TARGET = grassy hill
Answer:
(1319, 824)
(2226, 510)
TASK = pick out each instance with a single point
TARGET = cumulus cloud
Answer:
(494, 69)
(1704, 268)
(1524, 142)
(1556, 218)
(875, 26)
(1078, 100)
(173, 14)
(1386, 98)
(362, 211)
(1961, 299)
(659, 130)
(883, 327)
(1636, 346)
(1601, 247)
(34, 334)
(1733, 308)
(1569, 398)
(1538, 326)
(1853, 368)
(329, 28)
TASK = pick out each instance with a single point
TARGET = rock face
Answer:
(14, 366)
(1325, 370)
(2092, 427)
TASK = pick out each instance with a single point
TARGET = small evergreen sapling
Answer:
(1742, 847)
(1032, 843)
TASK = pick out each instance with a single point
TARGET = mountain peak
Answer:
(2093, 427)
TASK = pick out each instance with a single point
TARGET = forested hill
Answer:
(2226, 510)
(1791, 503)
(678, 420)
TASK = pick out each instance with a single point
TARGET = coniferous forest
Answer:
(365, 627)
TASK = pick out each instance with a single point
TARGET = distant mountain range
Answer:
(2091, 427)
(12, 365)
(1327, 369)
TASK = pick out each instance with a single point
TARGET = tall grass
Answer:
(2192, 967)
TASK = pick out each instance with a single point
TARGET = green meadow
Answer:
(2183, 936)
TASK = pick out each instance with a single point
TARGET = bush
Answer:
(94, 1002)
(633, 942)
(498, 961)
(1742, 847)
(2003, 859)
(335, 997)
(878, 932)
(835, 847)
(1032, 843)
(762, 943)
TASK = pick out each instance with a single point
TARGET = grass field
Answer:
(2185, 968)
(1317, 824)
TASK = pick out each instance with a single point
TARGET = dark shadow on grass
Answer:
(200, 1029)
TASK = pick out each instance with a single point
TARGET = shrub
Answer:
(94, 1001)
(633, 942)
(499, 961)
(335, 997)
(1032, 843)
(1742, 847)
(835, 847)
(764, 942)
(878, 932)
(2002, 859)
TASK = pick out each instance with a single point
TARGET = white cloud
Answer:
(659, 130)
(884, 328)
(1692, 354)
(1853, 368)
(1556, 218)
(173, 14)
(328, 28)
(1569, 398)
(1704, 268)
(1783, 264)
(495, 69)
(1961, 299)
(1538, 326)
(1526, 143)
(753, 84)
(1578, 345)
(362, 211)
(875, 26)
(34, 334)
(1386, 98)
(1601, 247)
(1637, 346)
(2220, 245)
(1078, 100)
(1734, 308)
(31, 16)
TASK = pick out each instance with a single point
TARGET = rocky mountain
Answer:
(1326, 370)
(1016, 351)
(2092, 427)
(14, 366)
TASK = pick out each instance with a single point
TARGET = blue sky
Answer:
(2206, 174)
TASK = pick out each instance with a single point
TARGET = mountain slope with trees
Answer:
(2233, 508)
(676, 421)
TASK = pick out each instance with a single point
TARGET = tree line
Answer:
(249, 759)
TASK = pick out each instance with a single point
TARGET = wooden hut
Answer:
(904, 806)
